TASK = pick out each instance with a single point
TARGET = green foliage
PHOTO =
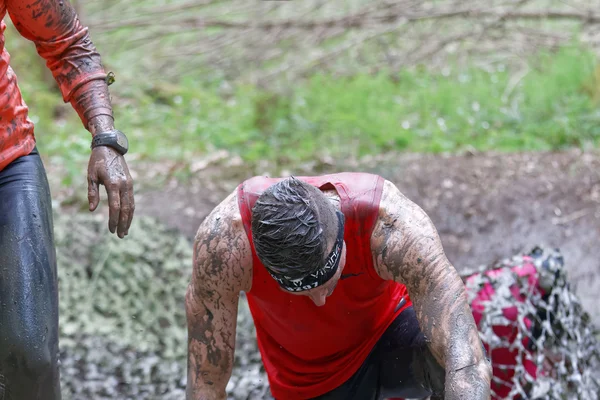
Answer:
(552, 106)
(135, 286)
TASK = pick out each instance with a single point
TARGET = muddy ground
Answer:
(485, 206)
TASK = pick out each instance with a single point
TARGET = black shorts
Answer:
(400, 365)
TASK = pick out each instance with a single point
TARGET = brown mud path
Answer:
(485, 206)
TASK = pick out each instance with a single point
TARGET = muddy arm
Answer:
(221, 251)
(408, 250)
(64, 43)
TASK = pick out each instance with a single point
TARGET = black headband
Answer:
(321, 275)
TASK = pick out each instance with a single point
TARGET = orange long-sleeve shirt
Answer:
(69, 53)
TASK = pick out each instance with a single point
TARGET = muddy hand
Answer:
(107, 167)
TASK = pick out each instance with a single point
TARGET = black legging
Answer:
(28, 284)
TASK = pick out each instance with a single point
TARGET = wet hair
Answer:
(292, 224)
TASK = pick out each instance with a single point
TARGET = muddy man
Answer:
(349, 288)
(28, 281)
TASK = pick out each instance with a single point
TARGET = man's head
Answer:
(298, 236)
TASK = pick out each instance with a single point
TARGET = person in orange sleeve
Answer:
(29, 367)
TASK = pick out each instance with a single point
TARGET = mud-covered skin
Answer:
(101, 123)
(407, 249)
(107, 167)
(222, 268)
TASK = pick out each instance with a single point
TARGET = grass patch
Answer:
(553, 106)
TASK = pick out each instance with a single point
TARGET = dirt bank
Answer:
(485, 206)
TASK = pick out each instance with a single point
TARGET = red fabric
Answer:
(505, 359)
(309, 350)
(65, 45)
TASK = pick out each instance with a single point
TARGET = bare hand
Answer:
(107, 167)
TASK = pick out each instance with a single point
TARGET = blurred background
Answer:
(486, 113)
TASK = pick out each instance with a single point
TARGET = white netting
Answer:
(540, 340)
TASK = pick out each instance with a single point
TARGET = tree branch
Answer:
(359, 20)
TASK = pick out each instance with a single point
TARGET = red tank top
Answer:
(309, 350)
